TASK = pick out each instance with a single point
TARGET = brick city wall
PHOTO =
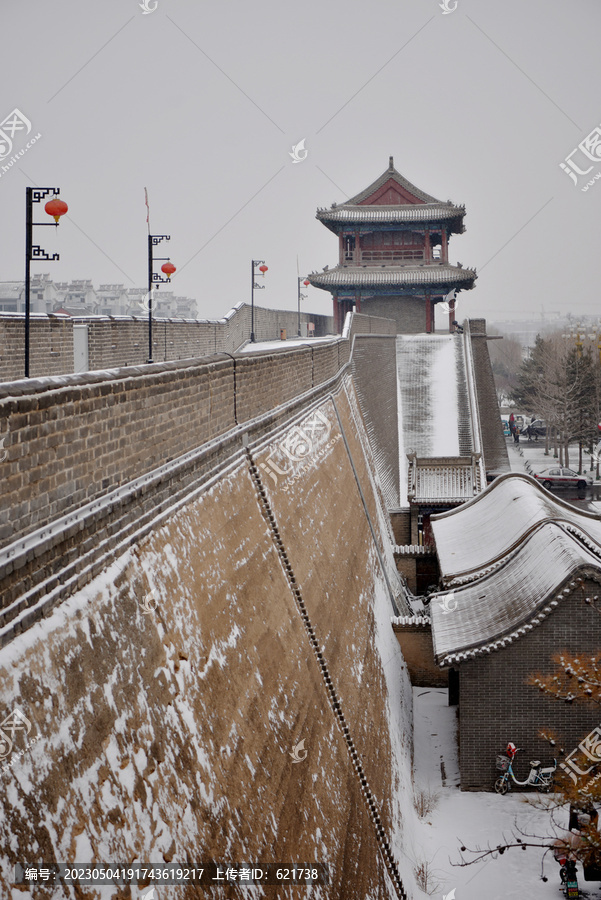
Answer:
(494, 445)
(496, 705)
(416, 643)
(375, 378)
(50, 345)
(116, 341)
(264, 600)
(70, 440)
(409, 313)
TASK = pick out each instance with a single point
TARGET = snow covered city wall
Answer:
(229, 688)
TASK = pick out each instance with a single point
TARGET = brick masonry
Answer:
(494, 445)
(117, 341)
(416, 643)
(408, 313)
(194, 709)
(496, 705)
(70, 440)
(375, 378)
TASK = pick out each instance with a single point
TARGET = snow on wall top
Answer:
(503, 605)
(480, 533)
(430, 397)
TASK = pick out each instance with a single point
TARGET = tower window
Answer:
(349, 248)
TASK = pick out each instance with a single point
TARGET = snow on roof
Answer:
(497, 609)
(443, 480)
(382, 276)
(431, 397)
(483, 531)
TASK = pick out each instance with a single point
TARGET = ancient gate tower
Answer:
(394, 262)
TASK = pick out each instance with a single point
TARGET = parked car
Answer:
(562, 477)
(536, 429)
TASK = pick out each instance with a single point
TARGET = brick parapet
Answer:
(122, 341)
(42, 568)
(70, 439)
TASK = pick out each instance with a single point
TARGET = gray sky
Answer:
(202, 103)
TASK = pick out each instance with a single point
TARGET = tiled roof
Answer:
(391, 173)
(512, 507)
(433, 481)
(11, 289)
(424, 212)
(381, 276)
(499, 608)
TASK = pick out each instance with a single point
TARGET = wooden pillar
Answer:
(358, 302)
(445, 246)
(335, 314)
(429, 311)
(357, 253)
(451, 316)
(428, 246)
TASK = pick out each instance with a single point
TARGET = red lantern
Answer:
(263, 269)
(168, 268)
(56, 209)
(306, 283)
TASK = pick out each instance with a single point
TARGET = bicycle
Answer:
(538, 778)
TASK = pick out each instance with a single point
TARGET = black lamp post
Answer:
(154, 278)
(306, 283)
(56, 209)
(253, 286)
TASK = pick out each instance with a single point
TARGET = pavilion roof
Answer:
(381, 276)
(391, 198)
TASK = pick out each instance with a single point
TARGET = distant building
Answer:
(77, 295)
(43, 295)
(164, 304)
(80, 298)
(113, 300)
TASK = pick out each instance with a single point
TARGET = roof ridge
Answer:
(403, 182)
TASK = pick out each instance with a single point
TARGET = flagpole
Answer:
(149, 295)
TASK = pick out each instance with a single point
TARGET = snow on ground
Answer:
(533, 453)
(474, 818)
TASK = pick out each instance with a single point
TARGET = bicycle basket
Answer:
(503, 763)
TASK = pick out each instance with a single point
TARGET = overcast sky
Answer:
(202, 102)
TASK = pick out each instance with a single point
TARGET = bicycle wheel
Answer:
(501, 785)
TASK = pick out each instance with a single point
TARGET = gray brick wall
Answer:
(409, 313)
(69, 440)
(497, 706)
(375, 377)
(494, 445)
(116, 341)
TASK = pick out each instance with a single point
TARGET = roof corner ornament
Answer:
(391, 162)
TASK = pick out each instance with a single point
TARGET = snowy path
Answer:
(475, 818)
